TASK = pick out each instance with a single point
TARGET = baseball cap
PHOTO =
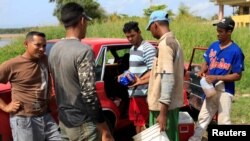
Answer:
(71, 13)
(157, 16)
(225, 23)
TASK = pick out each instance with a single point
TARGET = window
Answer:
(246, 10)
(99, 67)
(48, 48)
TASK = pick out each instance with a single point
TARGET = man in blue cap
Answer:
(165, 92)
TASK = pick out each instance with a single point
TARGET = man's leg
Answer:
(141, 113)
(64, 135)
(224, 110)
(87, 131)
(208, 110)
(172, 123)
(51, 129)
(152, 117)
(22, 129)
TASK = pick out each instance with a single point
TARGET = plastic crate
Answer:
(151, 134)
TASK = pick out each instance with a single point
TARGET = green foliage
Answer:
(148, 11)
(241, 37)
(91, 7)
(12, 50)
(183, 10)
(113, 28)
(13, 30)
(53, 32)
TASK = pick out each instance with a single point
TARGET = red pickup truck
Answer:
(111, 58)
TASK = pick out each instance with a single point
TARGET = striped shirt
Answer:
(141, 61)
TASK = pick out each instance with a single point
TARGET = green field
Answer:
(190, 31)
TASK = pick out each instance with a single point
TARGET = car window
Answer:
(197, 59)
(48, 48)
(114, 55)
(110, 55)
(99, 64)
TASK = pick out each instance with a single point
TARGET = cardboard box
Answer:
(151, 134)
(186, 126)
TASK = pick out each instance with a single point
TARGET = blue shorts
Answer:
(34, 128)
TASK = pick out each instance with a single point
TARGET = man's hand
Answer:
(12, 107)
(137, 82)
(211, 78)
(200, 74)
(106, 135)
(119, 77)
(203, 71)
(162, 117)
(162, 120)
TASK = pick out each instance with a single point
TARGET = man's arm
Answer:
(225, 78)
(145, 77)
(105, 132)
(5, 74)
(2, 104)
(203, 71)
(86, 76)
(141, 80)
(12, 107)
(167, 85)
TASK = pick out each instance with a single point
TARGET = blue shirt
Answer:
(224, 61)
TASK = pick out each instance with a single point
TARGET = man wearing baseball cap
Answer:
(224, 61)
(165, 92)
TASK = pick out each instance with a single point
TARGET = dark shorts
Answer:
(138, 110)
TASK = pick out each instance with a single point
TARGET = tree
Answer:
(215, 17)
(184, 10)
(91, 7)
(148, 11)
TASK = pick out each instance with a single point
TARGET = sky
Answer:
(29, 13)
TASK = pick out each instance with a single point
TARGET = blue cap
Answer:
(157, 16)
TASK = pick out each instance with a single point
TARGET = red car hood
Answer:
(5, 88)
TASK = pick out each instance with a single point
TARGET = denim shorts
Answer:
(34, 128)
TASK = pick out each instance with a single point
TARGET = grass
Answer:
(240, 113)
(11, 50)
